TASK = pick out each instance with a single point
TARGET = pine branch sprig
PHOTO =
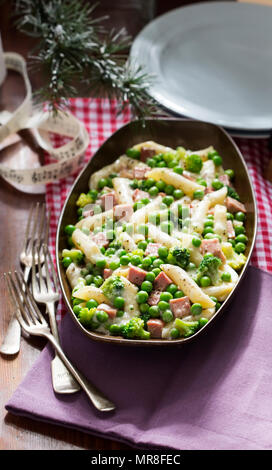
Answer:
(75, 52)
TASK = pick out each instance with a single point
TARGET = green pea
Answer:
(217, 160)
(91, 303)
(136, 259)
(226, 277)
(178, 193)
(133, 153)
(217, 184)
(167, 316)
(101, 263)
(241, 238)
(166, 296)
(202, 321)
(205, 281)
(240, 216)
(98, 280)
(157, 263)
(115, 329)
(145, 201)
(230, 173)
(89, 279)
(70, 242)
(198, 194)
(210, 235)
(76, 309)
(163, 305)
(102, 183)
(196, 242)
(147, 286)
(154, 311)
(163, 251)
(172, 288)
(169, 189)
(141, 297)
(207, 230)
(153, 191)
(114, 265)
(239, 229)
(229, 216)
(191, 266)
(168, 200)
(119, 302)
(69, 229)
(156, 270)
(196, 309)
(160, 185)
(150, 276)
(240, 247)
(151, 162)
(102, 316)
(67, 261)
(124, 260)
(178, 294)
(208, 223)
(174, 333)
(144, 308)
(120, 313)
(210, 217)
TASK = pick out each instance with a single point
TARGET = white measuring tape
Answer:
(68, 158)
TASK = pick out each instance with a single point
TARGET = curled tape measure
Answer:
(68, 158)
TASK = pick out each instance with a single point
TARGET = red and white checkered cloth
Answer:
(101, 120)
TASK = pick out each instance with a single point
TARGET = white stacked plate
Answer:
(212, 62)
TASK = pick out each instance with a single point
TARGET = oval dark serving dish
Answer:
(173, 133)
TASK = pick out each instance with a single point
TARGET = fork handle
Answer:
(97, 398)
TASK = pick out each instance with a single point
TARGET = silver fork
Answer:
(45, 291)
(37, 227)
(33, 322)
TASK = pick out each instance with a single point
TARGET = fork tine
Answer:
(42, 226)
(17, 301)
(14, 301)
(28, 227)
(46, 233)
(29, 299)
(48, 278)
(34, 228)
(47, 256)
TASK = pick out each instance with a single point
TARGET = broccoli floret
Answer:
(193, 162)
(76, 255)
(180, 153)
(84, 199)
(135, 329)
(234, 260)
(112, 287)
(209, 266)
(186, 328)
(232, 193)
(85, 317)
(179, 256)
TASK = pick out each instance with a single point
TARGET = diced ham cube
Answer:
(88, 213)
(212, 246)
(154, 297)
(123, 211)
(234, 206)
(155, 326)
(107, 273)
(208, 190)
(100, 239)
(180, 307)
(108, 200)
(109, 310)
(138, 194)
(230, 229)
(139, 172)
(146, 153)
(136, 275)
(224, 179)
(162, 281)
(152, 249)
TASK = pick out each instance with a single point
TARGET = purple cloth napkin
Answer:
(214, 393)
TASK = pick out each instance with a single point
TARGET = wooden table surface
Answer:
(18, 433)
